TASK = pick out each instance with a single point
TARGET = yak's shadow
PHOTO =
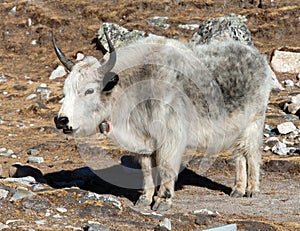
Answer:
(120, 180)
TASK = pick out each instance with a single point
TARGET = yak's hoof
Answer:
(143, 201)
(250, 193)
(162, 204)
(236, 194)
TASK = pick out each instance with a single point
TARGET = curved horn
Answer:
(106, 67)
(64, 60)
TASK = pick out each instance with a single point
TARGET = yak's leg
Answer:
(168, 165)
(240, 177)
(253, 164)
(248, 158)
(149, 186)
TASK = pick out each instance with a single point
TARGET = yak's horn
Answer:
(64, 60)
(106, 67)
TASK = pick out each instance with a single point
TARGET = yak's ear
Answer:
(109, 81)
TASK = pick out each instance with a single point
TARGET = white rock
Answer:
(57, 216)
(3, 193)
(3, 150)
(61, 210)
(275, 83)
(35, 159)
(43, 85)
(29, 22)
(289, 83)
(58, 72)
(79, 56)
(188, 26)
(28, 180)
(280, 149)
(166, 223)
(33, 42)
(22, 193)
(267, 148)
(31, 96)
(231, 227)
(285, 61)
(13, 11)
(206, 211)
(4, 226)
(286, 127)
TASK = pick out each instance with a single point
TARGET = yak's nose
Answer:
(61, 122)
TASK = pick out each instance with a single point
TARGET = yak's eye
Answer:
(89, 91)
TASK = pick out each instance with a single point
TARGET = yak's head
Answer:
(87, 92)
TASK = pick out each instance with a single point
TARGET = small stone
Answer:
(206, 211)
(267, 148)
(166, 223)
(4, 226)
(289, 83)
(286, 127)
(280, 149)
(44, 91)
(3, 193)
(95, 226)
(58, 73)
(41, 222)
(231, 227)
(57, 216)
(13, 11)
(79, 56)
(22, 193)
(2, 79)
(33, 152)
(159, 22)
(33, 42)
(28, 180)
(285, 61)
(35, 159)
(31, 96)
(61, 210)
(3, 150)
(188, 26)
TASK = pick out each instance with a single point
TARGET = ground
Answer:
(27, 60)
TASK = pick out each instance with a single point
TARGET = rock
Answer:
(35, 159)
(22, 193)
(291, 118)
(13, 11)
(159, 22)
(58, 73)
(119, 36)
(275, 82)
(95, 226)
(61, 210)
(285, 61)
(3, 193)
(104, 198)
(231, 27)
(166, 223)
(28, 180)
(31, 96)
(37, 205)
(293, 106)
(33, 152)
(188, 26)
(206, 211)
(44, 91)
(289, 83)
(4, 226)
(2, 79)
(79, 56)
(231, 227)
(280, 149)
(18, 170)
(286, 127)
(272, 141)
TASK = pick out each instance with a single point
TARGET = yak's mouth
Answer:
(68, 130)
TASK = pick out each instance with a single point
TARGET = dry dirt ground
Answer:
(27, 124)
